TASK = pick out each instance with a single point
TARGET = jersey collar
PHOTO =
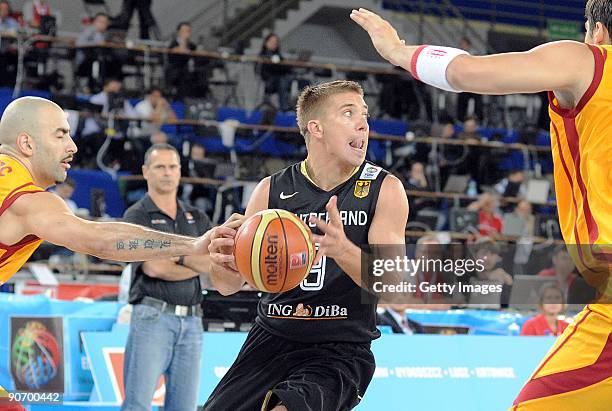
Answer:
(304, 172)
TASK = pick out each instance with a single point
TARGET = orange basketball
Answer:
(274, 250)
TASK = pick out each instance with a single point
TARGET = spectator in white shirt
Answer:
(86, 57)
(65, 191)
(156, 110)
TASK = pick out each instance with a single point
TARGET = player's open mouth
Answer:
(66, 163)
(357, 144)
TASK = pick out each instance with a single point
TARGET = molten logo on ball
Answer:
(271, 260)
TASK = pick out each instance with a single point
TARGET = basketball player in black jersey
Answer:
(310, 347)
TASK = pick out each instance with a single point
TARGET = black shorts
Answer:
(321, 377)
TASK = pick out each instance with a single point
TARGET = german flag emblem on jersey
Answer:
(362, 188)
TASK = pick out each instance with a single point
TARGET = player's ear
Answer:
(25, 144)
(314, 128)
(600, 34)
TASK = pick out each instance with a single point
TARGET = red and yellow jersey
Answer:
(582, 154)
(15, 181)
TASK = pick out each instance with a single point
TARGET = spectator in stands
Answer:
(108, 99)
(155, 109)
(463, 99)
(34, 11)
(524, 211)
(417, 178)
(39, 17)
(95, 33)
(178, 73)
(158, 137)
(8, 55)
(470, 131)
(488, 251)
(472, 164)
(418, 181)
(512, 186)
(276, 77)
(563, 269)
(146, 21)
(428, 248)
(111, 99)
(165, 335)
(552, 304)
(450, 156)
(489, 222)
(93, 135)
(394, 316)
(109, 65)
(7, 23)
(198, 165)
(65, 191)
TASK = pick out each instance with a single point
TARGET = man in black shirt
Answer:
(178, 72)
(325, 363)
(166, 327)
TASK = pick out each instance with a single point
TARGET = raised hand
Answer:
(384, 37)
(333, 243)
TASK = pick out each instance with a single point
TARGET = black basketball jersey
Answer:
(327, 306)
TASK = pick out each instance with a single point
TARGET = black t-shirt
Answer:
(328, 297)
(189, 222)
(177, 59)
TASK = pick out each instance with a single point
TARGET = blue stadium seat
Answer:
(179, 109)
(285, 119)
(36, 93)
(543, 138)
(242, 115)
(87, 180)
(515, 13)
(376, 150)
(488, 132)
(390, 127)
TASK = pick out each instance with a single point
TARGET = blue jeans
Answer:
(167, 344)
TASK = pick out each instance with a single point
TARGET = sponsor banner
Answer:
(468, 370)
(77, 316)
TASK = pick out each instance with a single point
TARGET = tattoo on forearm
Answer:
(140, 243)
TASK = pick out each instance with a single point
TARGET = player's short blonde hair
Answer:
(312, 99)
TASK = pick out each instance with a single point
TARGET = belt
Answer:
(180, 310)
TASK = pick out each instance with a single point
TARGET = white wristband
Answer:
(429, 65)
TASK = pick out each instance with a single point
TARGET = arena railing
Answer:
(148, 49)
(377, 136)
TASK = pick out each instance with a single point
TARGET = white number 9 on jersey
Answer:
(314, 280)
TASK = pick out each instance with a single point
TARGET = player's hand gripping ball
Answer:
(274, 250)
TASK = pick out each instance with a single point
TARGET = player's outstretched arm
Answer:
(47, 216)
(558, 66)
(222, 267)
(223, 273)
